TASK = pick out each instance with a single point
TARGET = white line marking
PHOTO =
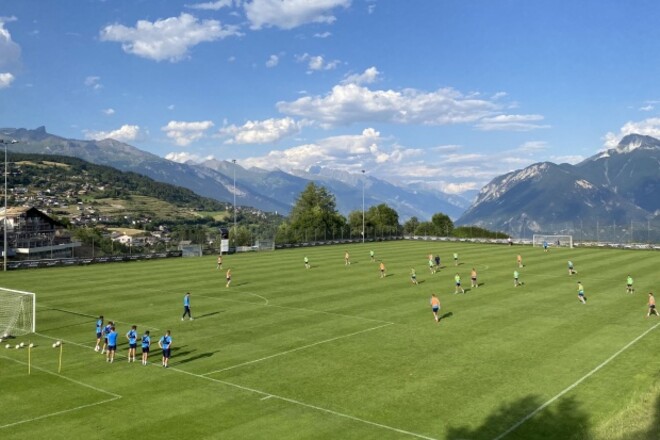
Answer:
(267, 397)
(306, 405)
(73, 312)
(576, 383)
(114, 396)
(293, 350)
(297, 309)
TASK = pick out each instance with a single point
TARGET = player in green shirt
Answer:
(413, 276)
(516, 276)
(457, 281)
(629, 285)
(372, 255)
(307, 266)
(455, 259)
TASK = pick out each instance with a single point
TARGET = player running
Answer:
(473, 278)
(545, 246)
(306, 260)
(457, 282)
(228, 277)
(132, 336)
(219, 265)
(372, 255)
(435, 307)
(629, 285)
(437, 262)
(165, 342)
(186, 306)
(99, 333)
(431, 266)
(382, 269)
(455, 259)
(413, 276)
(571, 268)
(146, 344)
(516, 278)
(580, 289)
(652, 306)
(519, 261)
(347, 259)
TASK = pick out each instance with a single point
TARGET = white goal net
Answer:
(553, 240)
(190, 250)
(17, 312)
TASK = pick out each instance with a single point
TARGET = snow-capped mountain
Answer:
(616, 186)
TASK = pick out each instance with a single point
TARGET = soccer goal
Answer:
(190, 250)
(553, 240)
(17, 312)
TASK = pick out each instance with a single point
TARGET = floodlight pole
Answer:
(234, 162)
(363, 232)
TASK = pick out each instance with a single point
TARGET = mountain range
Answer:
(618, 185)
(272, 191)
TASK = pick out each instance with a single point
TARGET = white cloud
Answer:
(108, 111)
(317, 62)
(647, 108)
(273, 61)
(648, 127)
(184, 133)
(288, 14)
(213, 6)
(367, 77)
(572, 159)
(511, 123)
(183, 157)
(6, 79)
(170, 107)
(322, 34)
(350, 103)
(125, 133)
(93, 82)
(533, 146)
(166, 39)
(262, 132)
(10, 51)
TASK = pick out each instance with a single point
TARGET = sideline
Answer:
(575, 384)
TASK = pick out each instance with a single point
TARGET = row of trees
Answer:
(315, 217)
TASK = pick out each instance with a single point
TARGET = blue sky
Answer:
(444, 94)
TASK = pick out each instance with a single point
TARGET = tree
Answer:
(315, 213)
(383, 218)
(443, 223)
(427, 228)
(410, 225)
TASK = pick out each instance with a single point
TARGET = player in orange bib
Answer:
(382, 269)
(473, 278)
(652, 306)
(228, 277)
(435, 307)
(519, 260)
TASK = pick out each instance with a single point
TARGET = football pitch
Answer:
(337, 352)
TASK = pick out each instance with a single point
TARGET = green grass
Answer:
(335, 352)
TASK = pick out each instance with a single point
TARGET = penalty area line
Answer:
(268, 396)
(574, 384)
(293, 350)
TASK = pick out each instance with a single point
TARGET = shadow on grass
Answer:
(196, 357)
(446, 315)
(564, 420)
(206, 315)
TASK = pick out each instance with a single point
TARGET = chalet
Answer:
(30, 233)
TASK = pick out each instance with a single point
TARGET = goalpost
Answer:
(17, 312)
(553, 240)
(190, 250)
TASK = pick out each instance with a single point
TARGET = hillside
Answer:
(77, 190)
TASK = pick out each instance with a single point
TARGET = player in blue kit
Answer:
(112, 344)
(132, 336)
(99, 333)
(146, 343)
(165, 343)
(106, 331)
(186, 306)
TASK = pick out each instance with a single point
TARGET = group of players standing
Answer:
(109, 335)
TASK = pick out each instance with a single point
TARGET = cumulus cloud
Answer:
(166, 39)
(6, 79)
(108, 111)
(93, 82)
(273, 61)
(10, 51)
(322, 34)
(213, 6)
(511, 123)
(367, 77)
(184, 133)
(648, 127)
(125, 133)
(289, 14)
(183, 157)
(262, 132)
(350, 103)
(317, 62)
